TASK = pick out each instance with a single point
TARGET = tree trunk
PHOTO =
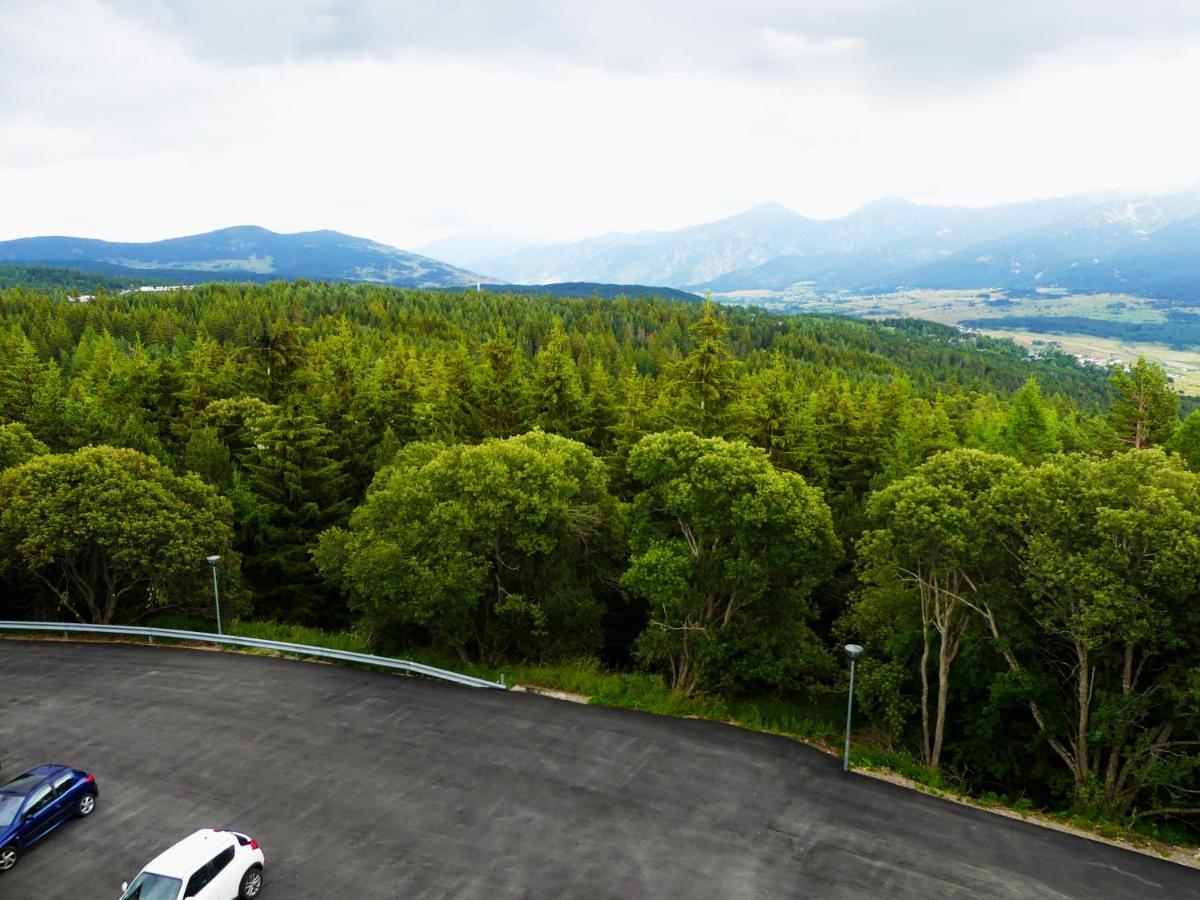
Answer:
(1082, 766)
(1114, 753)
(684, 678)
(926, 750)
(951, 634)
(943, 688)
(951, 623)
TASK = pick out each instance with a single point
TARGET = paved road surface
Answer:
(362, 785)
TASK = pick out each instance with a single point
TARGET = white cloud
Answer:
(139, 120)
(789, 47)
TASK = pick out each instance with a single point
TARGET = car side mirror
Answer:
(124, 886)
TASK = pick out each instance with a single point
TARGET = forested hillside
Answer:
(78, 282)
(719, 497)
(242, 253)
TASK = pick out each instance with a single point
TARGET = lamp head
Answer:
(852, 650)
(212, 559)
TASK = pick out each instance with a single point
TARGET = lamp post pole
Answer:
(852, 650)
(212, 561)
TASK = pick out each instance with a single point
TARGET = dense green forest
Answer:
(719, 497)
(107, 278)
(52, 277)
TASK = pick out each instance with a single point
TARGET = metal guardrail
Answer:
(367, 659)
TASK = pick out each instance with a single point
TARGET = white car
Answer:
(208, 865)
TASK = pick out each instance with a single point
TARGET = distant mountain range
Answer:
(1088, 243)
(245, 253)
(689, 256)
(1149, 246)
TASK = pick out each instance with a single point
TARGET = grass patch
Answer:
(346, 641)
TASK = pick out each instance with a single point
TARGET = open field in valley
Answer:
(954, 307)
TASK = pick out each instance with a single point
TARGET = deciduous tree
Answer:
(721, 539)
(928, 546)
(111, 534)
(1102, 640)
(496, 550)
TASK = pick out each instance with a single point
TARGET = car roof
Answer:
(181, 860)
(28, 781)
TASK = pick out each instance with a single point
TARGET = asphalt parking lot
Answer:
(370, 785)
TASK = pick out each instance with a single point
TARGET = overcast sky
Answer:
(412, 120)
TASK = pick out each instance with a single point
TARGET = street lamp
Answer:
(852, 650)
(212, 561)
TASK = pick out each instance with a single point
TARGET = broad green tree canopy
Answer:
(725, 552)
(495, 548)
(17, 444)
(112, 533)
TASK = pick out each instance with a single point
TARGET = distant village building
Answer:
(144, 289)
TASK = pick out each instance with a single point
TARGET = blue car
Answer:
(33, 804)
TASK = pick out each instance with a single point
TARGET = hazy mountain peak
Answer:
(886, 244)
(886, 205)
(767, 210)
(689, 255)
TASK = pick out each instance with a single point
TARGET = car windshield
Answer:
(10, 805)
(149, 886)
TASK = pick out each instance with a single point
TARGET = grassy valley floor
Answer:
(955, 307)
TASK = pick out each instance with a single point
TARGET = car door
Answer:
(224, 879)
(38, 817)
(196, 885)
(213, 882)
(63, 804)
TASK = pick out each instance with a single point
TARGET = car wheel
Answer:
(8, 858)
(87, 803)
(252, 883)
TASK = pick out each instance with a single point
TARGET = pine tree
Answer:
(299, 492)
(770, 412)
(1186, 441)
(924, 430)
(344, 393)
(19, 375)
(705, 377)
(207, 456)
(1030, 431)
(399, 377)
(1145, 411)
(558, 398)
(602, 408)
(503, 392)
